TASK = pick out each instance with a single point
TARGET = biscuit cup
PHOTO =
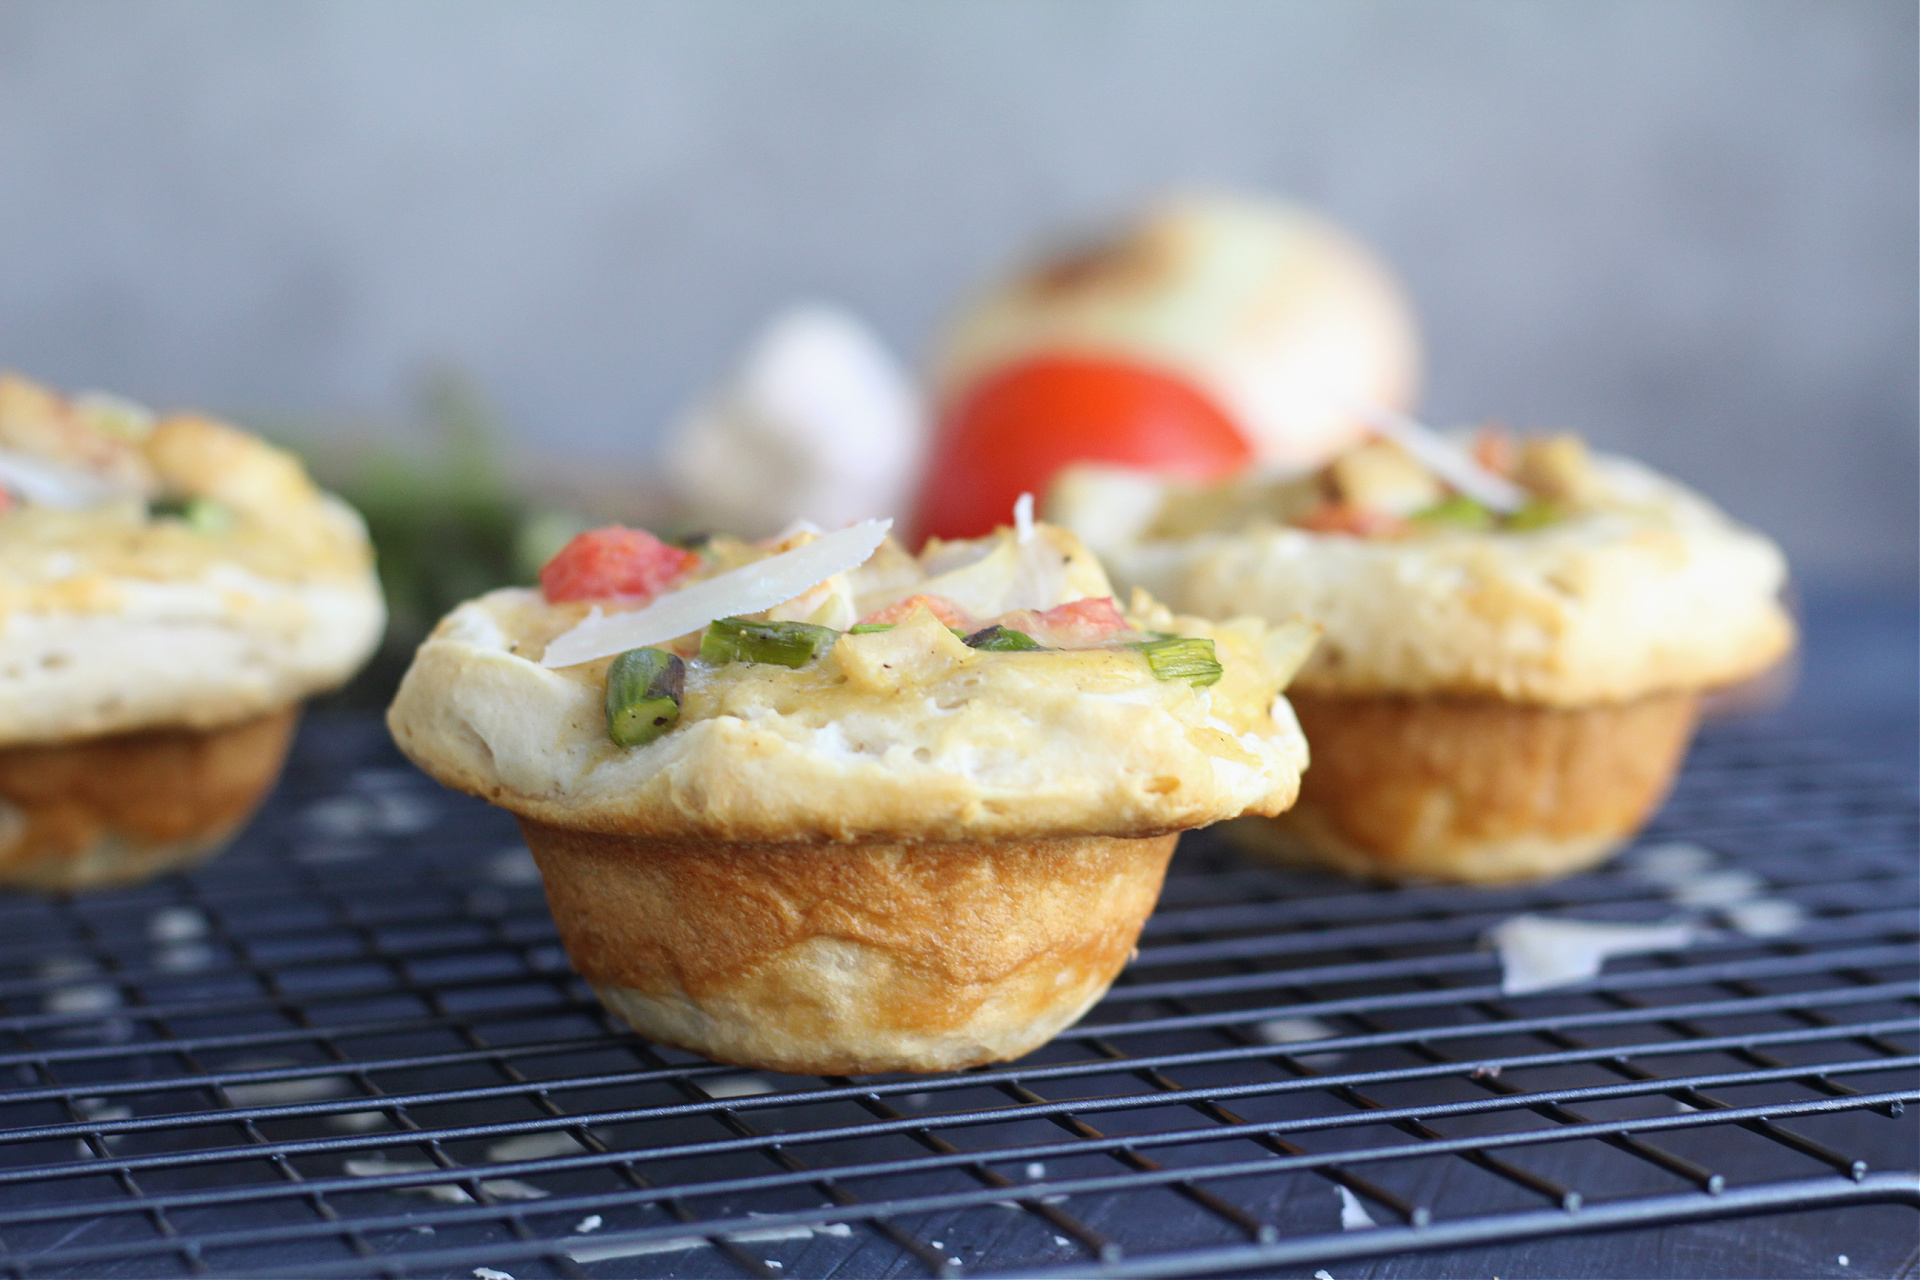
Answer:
(1473, 789)
(908, 845)
(172, 590)
(123, 807)
(1493, 698)
(853, 958)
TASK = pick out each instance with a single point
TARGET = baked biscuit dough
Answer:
(176, 646)
(907, 854)
(1484, 705)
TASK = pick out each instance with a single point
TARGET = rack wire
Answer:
(352, 1047)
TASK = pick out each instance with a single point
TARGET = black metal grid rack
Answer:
(353, 1047)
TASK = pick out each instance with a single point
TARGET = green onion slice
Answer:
(1537, 514)
(202, 515)
(1457, 511)
(1181, 658)
(788, 644)
(999, 639)
(644, 687)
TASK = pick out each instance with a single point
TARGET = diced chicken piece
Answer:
(1381, 476)
(1558, 468)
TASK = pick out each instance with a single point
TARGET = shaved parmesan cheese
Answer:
(1538, 953)
(1353, 1214)
(1765, 917)
(1023, 517)
(749, 589)
(1445, 459)
(50, 484)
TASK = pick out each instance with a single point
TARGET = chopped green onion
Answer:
(1186, 658)
(202, 515)
(644, 687)
(999, 639)
(788, 644)
(1537, 514)
(1457, 511)
(868, 628)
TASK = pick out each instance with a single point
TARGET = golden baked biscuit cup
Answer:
(871, 812)
(1516, 637)
(172, 591)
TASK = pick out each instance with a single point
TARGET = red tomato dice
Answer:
(1018, 427)
(614, 562)
(1073, 625)
(949, 613)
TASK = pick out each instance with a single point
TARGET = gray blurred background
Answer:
(1687, 228)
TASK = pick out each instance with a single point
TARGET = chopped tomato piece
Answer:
(949, 613)
(1493, 448)
(1355, 521)
(1076, 624)
(1015, 430)
(614, 562)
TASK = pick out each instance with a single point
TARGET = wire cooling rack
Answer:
(352, 1047)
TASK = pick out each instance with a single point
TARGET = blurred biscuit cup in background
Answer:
(821, 806)
(173, 590)
(1516, 636)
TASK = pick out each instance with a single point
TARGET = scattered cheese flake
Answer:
(1843, 1260)
(589, 1253)
(1353, 1214)
(533, 1146)
(1292, 1030)
(1674, 862)
(1538, 953)
(1036, 1171)
(1060, 1240)
(513, 866)
(737, 1086)
(488, 1273)
(53, 484)
(279, 1093)
(749, 589)
(1445, 459)
(445, 1192)
(589, 1223)
(177, 924)
(1764, 917)
(1300, 1031)
(1321, 1275)
(1716, 889)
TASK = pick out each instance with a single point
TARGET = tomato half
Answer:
(612, 562)
(1018, 427)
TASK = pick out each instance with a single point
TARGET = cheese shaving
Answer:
(1353, 1214)
(750, 589)
(1538, 953)
(50, 484)
(1023, 518)
(1445, 459)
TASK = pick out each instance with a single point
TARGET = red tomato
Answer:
(1075, 624)
(614, 561)
(1357, 522)
(949, 613)
(1011, 434)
